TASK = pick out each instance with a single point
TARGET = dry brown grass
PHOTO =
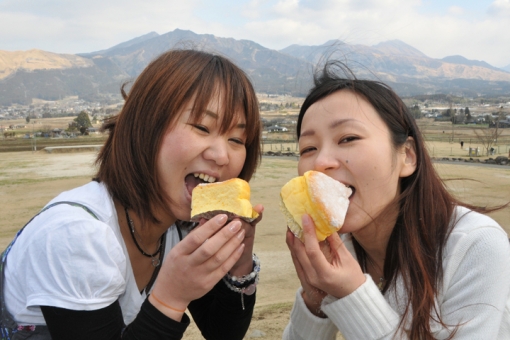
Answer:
(29, 180)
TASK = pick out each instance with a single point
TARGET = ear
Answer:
(409, 158)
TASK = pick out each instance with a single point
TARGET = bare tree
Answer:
(495, 123)
(488, 137)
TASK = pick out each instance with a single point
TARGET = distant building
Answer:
(276, 128)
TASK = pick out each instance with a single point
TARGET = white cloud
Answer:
(72, 26)
(456, 10)
(83, 26)
(499, 8)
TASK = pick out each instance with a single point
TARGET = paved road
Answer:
(496, 166)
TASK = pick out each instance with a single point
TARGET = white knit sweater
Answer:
(475, 293)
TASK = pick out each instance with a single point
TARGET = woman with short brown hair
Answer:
(113, 259)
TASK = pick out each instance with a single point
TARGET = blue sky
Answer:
(475, 29)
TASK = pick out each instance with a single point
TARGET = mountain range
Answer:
(97, 75)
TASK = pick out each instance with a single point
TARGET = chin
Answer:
(183, 215)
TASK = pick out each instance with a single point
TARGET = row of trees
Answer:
(80, 123)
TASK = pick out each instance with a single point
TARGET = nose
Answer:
(326, 160)
(218, 152)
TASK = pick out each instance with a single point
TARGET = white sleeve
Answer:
(363, 314)
(304, 325)
(477, 283)
(71, 260)
(474, 296)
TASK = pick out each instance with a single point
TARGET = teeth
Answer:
(205, 177)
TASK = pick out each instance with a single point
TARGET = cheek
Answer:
(304, 166)
(238, 159)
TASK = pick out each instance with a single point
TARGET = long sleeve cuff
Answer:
(363, 314)
(152, 324)
(306, 325)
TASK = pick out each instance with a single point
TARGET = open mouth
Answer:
(194, 179)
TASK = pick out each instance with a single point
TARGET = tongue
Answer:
(192, 182)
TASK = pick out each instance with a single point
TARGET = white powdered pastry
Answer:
(332, 195)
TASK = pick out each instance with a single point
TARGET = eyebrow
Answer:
(215, 116)
(332, 125)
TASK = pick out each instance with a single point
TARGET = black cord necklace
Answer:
(155, 261)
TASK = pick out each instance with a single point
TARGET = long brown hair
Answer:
(426, 208)
(127, 162)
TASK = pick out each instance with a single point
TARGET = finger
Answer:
(230, 262)
(300, 254)
(299, 270)
(195, 239)
(310, 237)
(210, 248)
(290, 238)
(316, 257)
(222, 258)
(259, 208)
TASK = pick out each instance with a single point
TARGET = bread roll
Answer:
(231, 197)
(323, 198)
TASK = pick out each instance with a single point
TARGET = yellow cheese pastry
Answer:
(231, 197)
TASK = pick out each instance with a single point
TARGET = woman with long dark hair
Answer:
(115, 258)
(411, 261)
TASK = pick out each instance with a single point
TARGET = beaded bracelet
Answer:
(248, 278)
(247, 284)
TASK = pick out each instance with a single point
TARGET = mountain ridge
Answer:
(287, 71)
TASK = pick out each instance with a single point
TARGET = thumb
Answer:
(309, 235)
(308, 225)
(259, 208)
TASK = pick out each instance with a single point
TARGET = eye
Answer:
(200, 127)
(237, 141)
(348, 139)
(306, 150)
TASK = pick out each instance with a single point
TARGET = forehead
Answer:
(218, 111)
(343, 104)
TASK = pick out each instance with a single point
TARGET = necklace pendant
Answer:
(155, 262)
(381, 283)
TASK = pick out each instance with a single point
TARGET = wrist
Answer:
(313, 305)
(170, 311)
(245, 263)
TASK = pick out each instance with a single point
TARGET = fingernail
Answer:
(221, 219)
(240, 235)
(240, 249)
(305, 219)
(235, 226)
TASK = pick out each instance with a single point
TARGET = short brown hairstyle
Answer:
(127, 161)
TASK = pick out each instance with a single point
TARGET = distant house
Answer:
(276, 128)
(56, 132)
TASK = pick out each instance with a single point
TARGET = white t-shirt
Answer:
(66, 258)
